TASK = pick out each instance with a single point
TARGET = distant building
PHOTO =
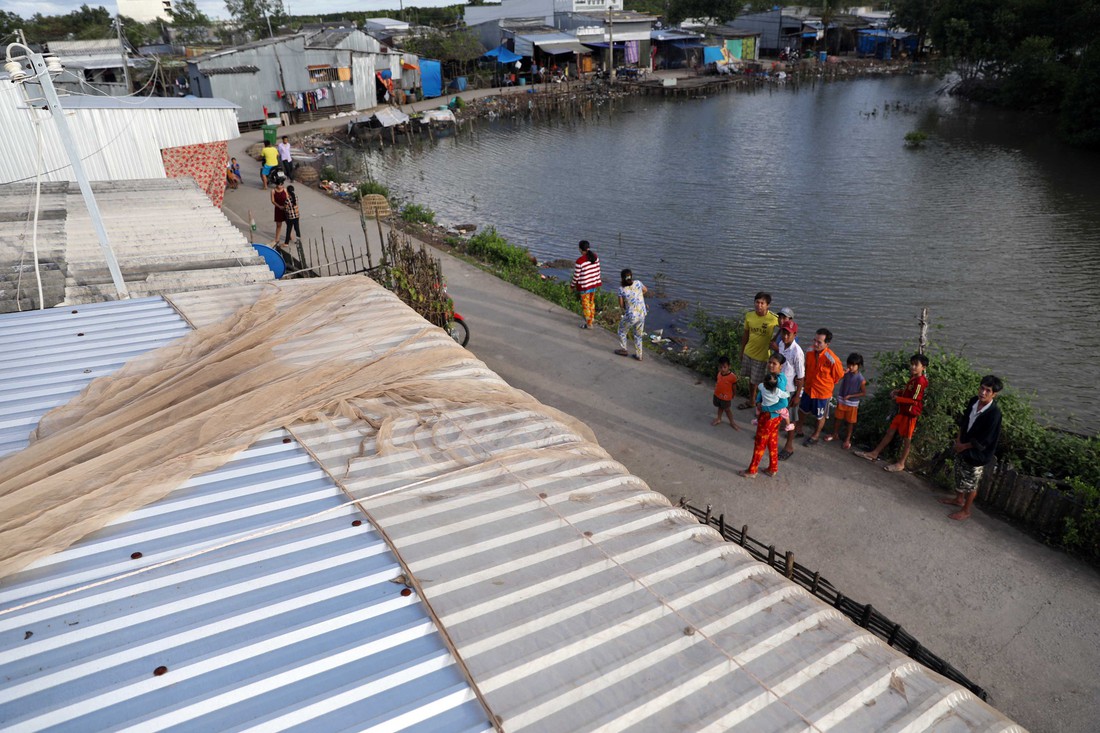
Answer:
(545, 9)
(144, 11)
(304, 76)
(93, 66)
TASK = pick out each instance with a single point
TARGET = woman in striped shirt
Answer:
(586, 281)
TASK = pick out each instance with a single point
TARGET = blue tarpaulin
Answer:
(712, 54)
(503, 55)
(431, 78)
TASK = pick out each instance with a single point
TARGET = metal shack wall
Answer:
(121, 141)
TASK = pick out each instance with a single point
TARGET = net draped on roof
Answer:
(304, 351)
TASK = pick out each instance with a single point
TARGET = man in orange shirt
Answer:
(823, 370)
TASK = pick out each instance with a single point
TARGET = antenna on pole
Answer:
(43, 68)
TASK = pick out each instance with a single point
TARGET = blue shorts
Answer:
(266, 170)
(817, 408)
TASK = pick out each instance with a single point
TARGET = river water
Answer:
(812, 195)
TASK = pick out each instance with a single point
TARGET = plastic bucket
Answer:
(273, 259)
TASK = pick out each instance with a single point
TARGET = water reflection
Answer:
(811, 194)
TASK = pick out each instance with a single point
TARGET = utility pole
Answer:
(122, 53)
(42, 76)
(610, 44)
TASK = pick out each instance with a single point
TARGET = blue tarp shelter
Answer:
(431, 77)
(503, 55)
(882, 43)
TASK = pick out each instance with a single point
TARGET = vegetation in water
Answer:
(915, 138)
(418, 214)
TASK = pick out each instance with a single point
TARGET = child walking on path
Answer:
(853, 388)
(586, 281)
(292, 216)
(767, 422)
(632, 301)
(910, 405)
(724, 387)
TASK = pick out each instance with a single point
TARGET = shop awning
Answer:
(687, 44)
(555, 48)
(618, 46)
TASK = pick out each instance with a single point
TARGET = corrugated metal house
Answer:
(118, 139)
(305, 76)
(437, 552)
(93, 66)
(777, 30)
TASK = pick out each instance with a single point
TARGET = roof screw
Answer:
(356, 522)
(80, 334)
(135, 555)
(286, 440)
(542, 495)
(588, 534)
(160, 670)
(76, 311)
(406, 591)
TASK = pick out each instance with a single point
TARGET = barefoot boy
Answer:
(979, 430)
(910, 404)
(853, 388)
(723, 393)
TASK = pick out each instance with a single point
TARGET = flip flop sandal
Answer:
(829, 439)
(769, 474)
(892, 468)
(745, 406)
(622, 352)
(785, 454)
(746, 474)
(809, 441)
(638, 358)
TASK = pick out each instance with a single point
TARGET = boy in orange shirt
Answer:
(724, 388)
(910, 405)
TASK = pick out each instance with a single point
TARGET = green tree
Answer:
(718, 11)
(1080, 113)
(455, 49)
(255, 17)
(9, 22)
(190, 23)
(915, 16)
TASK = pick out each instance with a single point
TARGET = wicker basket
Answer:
(375, 205)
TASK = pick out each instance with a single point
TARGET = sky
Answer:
(216, 8)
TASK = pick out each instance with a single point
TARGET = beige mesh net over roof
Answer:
(299, 351)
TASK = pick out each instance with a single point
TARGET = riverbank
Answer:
(980, 594)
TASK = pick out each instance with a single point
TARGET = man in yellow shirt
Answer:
(759, 324)
(271, 161)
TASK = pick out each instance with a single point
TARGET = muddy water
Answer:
(812, 195)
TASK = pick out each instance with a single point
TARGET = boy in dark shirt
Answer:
(979, 431)
(910, 405)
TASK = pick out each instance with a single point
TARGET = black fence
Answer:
(864, 615)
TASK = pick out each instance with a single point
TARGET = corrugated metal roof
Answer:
(196, 246)
(575, 597)
(92, 47)
(253, 597)
(146, 103)
(47, 357)
(118, 140)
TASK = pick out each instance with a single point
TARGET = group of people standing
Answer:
(278, 164)
(791, 388)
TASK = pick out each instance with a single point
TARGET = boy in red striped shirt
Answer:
(910, 405)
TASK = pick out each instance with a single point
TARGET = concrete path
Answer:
(1020, 619)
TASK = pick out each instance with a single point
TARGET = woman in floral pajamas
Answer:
(632, 301)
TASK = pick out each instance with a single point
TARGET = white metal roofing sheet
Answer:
(251, 598)
(117, 140)
(47, 357)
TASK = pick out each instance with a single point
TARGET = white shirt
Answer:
(284, 151)
(795, 366)
(974, 412)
